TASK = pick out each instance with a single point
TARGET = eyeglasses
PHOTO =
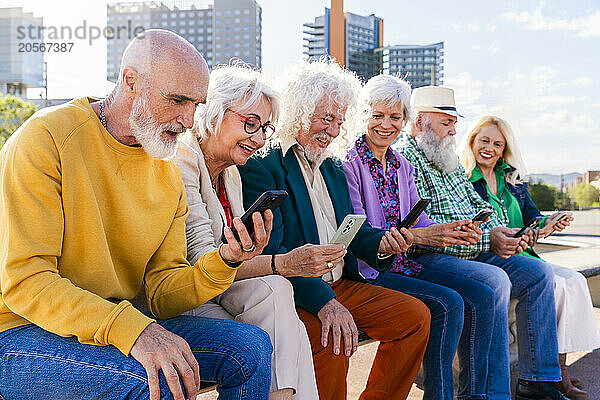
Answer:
(252, 124)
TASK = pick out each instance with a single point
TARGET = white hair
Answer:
(388, 89)
(304, 86)
(232, 85)
(511, 155)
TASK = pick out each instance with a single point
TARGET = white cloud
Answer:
(467, 89)
(491, 27)
(588, 26)
(540, 103)
(474, 26)
(494, 47)
(542, 76)
(476, 47)
(583, 81)
(596, 105)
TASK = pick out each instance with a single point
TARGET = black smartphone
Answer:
(482, 215)
(525, 229)
(269, 200)
(414, 213)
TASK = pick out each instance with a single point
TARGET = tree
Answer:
(13, 112)
(586, 195)
(545, 197)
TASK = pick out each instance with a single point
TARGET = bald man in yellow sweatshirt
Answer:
(89, 214)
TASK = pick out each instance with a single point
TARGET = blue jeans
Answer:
(531, 282)
(36, 364)
(446, 307)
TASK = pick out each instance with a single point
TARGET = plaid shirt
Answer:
(452, 198)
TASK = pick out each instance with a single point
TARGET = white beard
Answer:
(149, 133)
(317, 156)
(441, 152)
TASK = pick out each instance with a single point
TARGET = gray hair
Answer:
(306, 84)
(232, 85)
(387, 89)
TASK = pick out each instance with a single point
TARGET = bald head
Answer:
(157, 52)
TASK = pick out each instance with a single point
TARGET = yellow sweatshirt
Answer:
(84, 222)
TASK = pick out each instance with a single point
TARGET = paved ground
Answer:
(585, 234)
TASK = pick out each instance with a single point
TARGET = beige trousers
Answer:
(268, 302)
(576, 323)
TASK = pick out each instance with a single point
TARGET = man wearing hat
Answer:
(430, 147)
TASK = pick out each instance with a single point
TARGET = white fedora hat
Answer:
(438, 99)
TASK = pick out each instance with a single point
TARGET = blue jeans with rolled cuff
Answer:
(36, 364)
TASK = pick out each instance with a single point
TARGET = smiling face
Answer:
(325, 125)
(488, 146)
(231, 144)
(384, 125)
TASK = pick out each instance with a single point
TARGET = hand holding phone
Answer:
(413, 215)
(348, 229)
(482, 216)
(526, 229)
(269, 200)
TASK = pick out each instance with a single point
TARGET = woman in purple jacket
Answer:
(382, 187)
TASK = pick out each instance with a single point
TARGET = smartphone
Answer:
(414, 213)
(565, 215)
(348, 229)
(526, 229)
(269, 200)
(482, 216)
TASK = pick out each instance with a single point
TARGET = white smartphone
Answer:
(348, 229)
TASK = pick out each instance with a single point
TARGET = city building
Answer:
(349, 38)
(21, 67)
(420, 65)
(221, 30)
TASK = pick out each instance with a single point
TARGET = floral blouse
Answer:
(386, 184)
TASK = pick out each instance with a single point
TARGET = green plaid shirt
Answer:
(452, 198)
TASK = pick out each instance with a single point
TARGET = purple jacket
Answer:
(365, 199)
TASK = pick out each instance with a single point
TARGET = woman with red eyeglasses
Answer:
(236, 121)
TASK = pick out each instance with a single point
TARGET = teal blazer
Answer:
(294, 221)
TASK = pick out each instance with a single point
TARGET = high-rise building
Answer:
(220, 30)
(356, 41)
(419, 65)
(21, 59)
(349, 38)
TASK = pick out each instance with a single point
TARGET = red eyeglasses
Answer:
(252, 124)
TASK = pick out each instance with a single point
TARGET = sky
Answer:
(534, 63)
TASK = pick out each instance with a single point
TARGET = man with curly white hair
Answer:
(316, 98)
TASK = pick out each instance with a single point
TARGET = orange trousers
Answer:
(398, 321)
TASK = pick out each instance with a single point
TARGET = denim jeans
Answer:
(530, 281)
(36, 364)
(446, 307)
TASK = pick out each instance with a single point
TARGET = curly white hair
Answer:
(303, 87)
